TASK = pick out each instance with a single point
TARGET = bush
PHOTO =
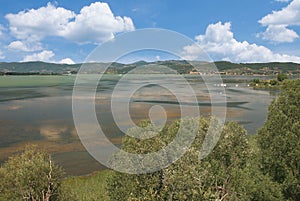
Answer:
(31, 175)
(230, 172)
(256, 81)
(273, 82)
(281, 77)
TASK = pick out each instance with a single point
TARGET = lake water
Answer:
(38, 110)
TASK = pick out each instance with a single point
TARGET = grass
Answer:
(86, 188)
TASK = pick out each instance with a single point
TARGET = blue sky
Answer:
(67, 31)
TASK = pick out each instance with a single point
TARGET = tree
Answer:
(31, 175)
(256, 81)
(279, 140)
(273, 82)
(281, 77)
(230, 172)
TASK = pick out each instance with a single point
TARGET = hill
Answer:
(179, 66)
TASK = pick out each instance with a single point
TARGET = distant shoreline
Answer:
(177, 66)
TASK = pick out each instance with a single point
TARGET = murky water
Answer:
(38, 109)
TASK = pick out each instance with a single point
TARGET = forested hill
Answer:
(180, 66)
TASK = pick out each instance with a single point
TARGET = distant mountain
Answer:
(178, 66)
(53, 68)
(37, 67)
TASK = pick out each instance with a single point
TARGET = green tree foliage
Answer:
(281, 77)
(256, 81)
(279, 140)
(31, 175)
(230, 172)
(273, 82)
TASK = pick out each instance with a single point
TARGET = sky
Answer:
(65, 31)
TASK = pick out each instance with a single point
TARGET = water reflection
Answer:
(39, 111)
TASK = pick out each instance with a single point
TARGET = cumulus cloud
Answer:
(17, 45)
(45, 55)
(219, 42)
(24, 46)
(94, 24)
(66, 61)
(289, 15)
(38, 23)
(279, 21)
(279, 33)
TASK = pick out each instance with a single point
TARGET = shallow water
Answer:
(38, 109)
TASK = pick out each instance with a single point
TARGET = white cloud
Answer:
(279, 33)
(17, 45)
(217, 33)
(284, 1)
(219, 42)
(44, 55)
(66, 61)
(25, 46)
(289, 15)
(94, 24)
(38, 23)
(279, 21)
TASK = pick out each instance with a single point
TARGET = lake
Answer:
(38, 110)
